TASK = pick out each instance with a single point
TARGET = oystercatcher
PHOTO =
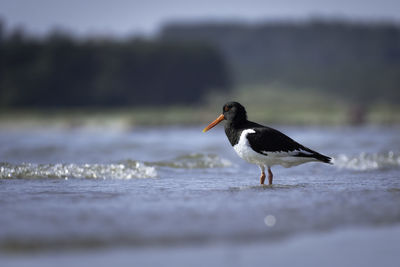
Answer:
(260, 144)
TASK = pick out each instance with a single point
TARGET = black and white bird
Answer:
(262, 145)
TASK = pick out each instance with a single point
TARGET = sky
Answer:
(127, 17)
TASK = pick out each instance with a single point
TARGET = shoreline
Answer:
(127, 118)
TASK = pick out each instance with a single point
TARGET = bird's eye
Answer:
(226, 108)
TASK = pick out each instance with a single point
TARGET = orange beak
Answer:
(217, 120)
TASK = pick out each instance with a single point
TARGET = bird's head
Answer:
(233, 112)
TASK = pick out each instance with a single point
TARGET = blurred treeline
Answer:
(61, 71)
(357, 61)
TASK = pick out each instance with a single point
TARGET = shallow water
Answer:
(74, 189)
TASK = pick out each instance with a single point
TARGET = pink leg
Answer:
(270, 176)
(262, 178)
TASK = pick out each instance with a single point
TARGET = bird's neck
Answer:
(233, 131)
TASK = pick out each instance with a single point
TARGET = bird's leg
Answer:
(262, 177)
(270, 176)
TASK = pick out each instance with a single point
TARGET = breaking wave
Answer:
(123, 170)
(195, 161)
(117, 171)
(368, 161)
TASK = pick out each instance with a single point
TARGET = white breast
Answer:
(244, 150)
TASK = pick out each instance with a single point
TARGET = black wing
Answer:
(266, 139)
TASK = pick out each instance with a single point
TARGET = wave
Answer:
(368, 161)
(122, 170)
(117, 171)
(194, 161)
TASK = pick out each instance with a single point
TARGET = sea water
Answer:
(183, 196)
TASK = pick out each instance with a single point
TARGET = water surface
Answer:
(66, 190)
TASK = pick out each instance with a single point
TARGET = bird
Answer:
(262, 145)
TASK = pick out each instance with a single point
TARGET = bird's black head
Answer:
(234, 112)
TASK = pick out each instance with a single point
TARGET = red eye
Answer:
(226, 109)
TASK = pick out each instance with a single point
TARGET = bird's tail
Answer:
(323, 158)
(308, 153)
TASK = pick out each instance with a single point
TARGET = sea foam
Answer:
(102, 171)
(368, 161)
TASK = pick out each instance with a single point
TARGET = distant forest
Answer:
(60, 71)
(358, 61)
